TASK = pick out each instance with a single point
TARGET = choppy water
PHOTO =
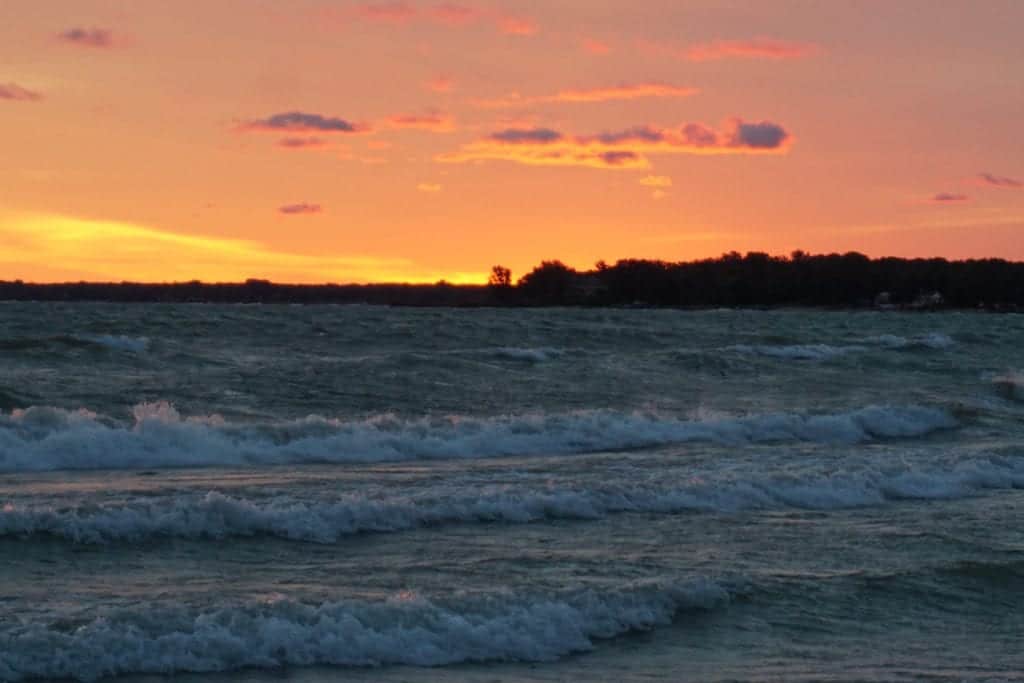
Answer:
(359, 493)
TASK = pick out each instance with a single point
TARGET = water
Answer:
(251, 493)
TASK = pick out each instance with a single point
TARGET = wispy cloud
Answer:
(13, 91)
(302, 122)
(758, 48)
(429, 187)
(302, 143)
(517, 25)
(623, 149)
(628, 91)
(595, 47)
(440, 84)
(390, 12)
(454, 14)
(520, 136)
(88, 37)
(436, 122)
(656, 181)
(1000, 181)
(450, 14)
(949, 197)
(299, 209)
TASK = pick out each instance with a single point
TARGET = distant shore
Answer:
(849, 280)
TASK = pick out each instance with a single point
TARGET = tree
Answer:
(500, 277)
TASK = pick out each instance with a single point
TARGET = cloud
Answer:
(517, 136)
(1000, 181)
(643, 133)
(595, 47)
(453, 14)
(440, 84)
(626, 148)
(13, 91)
(388, 12)
(622, 92)
(629, 91)
(301, 122)
(302, 143)
(761, 135)
(517, 26)
(758, 48)
(299, 209)
(656, 181)
(435, 122)
(429, 187)
(659, 194)
(946, 197)
(88, 37)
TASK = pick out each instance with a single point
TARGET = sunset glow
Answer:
(346, 141)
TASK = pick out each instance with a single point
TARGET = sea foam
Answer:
(406, 629)
(38, 439)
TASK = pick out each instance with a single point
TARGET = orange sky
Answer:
(328, 140)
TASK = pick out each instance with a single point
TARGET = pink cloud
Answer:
(517, 25)
(623, 149)
(436, 122)
(595, 47)
(627, 91)
(302, 143)
(757, 48)
(13, 91)
(440, 84)
(389, 12)
(453, 14)
(949, 197)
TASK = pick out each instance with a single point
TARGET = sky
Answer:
(413, 140)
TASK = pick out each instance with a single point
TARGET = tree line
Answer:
(755, 279)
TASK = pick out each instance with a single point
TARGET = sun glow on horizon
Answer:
(104, 250)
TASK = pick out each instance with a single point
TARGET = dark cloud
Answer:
(301, 122)
(88, 37)
(301, 143)
(1000, 181)
(762, 135)
(699, 135)
(13, 91)
(634, 134)
(520, 136)
(298, 209)
(950, 197)
(619, 157)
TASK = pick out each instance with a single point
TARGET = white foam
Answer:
(216, 515)
(1010, 386)
(407, 629)
(820, 352)
(37, 439)
(532, 355)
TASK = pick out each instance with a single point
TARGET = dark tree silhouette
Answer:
(500, 277)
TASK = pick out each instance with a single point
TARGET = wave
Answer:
(933, 341)
(405, 629)
(216, 515)
(107, 341)
(530, 355)
(39, 439)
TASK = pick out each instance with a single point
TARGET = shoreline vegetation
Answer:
(850, 280)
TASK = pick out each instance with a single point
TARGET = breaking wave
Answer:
(37, 439)
(216, 515)
(405, 629)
